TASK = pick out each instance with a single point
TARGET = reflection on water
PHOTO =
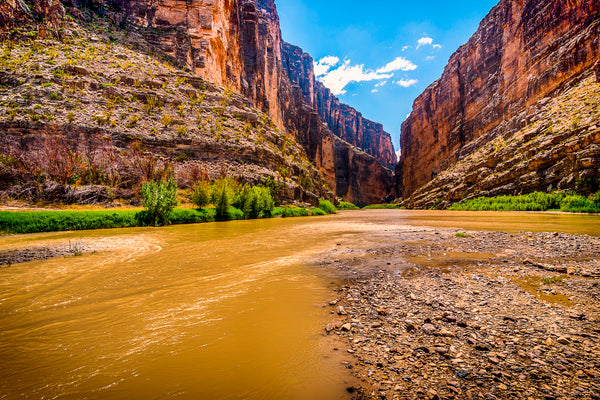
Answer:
(221, 310)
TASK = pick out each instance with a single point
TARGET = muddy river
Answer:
(212, 311)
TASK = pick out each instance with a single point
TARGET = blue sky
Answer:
(393, 48)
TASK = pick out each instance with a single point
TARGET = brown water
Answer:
(210, 311)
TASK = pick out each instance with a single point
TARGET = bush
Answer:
(390, 206)
(344, 205)
(317, 212)
(326, 206)
(578, 203)
(159, 199)
(286, 212)
(201, 194)
(223, 193)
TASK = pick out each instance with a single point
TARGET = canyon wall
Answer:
(343, 120)
(237, 44)
(525, 53)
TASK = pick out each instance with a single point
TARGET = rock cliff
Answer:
(496, 87)
(343, 120)
(238, 44)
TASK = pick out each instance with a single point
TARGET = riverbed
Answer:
(220, 310)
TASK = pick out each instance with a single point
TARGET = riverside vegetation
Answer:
(222, 200)
(537, 201)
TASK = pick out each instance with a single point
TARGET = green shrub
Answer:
(578, 203)
(223, 193)
(201, 194)
(54, 221)
(390, 206)
(159, 199)
(286, 212)
(536, 201)
(317, 212)
(326, 206)
(347, 206)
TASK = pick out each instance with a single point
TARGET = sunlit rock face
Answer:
(238, 44)
(524, 53)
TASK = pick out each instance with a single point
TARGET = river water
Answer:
(212, 311)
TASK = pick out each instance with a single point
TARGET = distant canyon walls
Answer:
(343, 120)
(524, 51)
(238, 44)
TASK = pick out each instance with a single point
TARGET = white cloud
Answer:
(424, 41)
(399, 64)
(374, 90)
(407, 82)
(406, 48)
(427, 41)
(325, 64)
(429, 58)
(336, 80)
(398, 154)
(380, 84)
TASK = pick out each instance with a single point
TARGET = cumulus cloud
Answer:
(399, 64)
(337, 79)
(398, 154)
(407, 82)
(336, 75)
(325, 64)
(427, 41)
(424, 41)
(405, 48)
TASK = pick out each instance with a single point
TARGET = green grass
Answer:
(344, 205)
(326, 206)
(290, 212)
(461, 235)
(551, 280)
(390, 206)
(537, 201)
(53, 221)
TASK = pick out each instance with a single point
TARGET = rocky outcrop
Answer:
(558, 149)
(343, 120)
(238, 44)
(523, 54)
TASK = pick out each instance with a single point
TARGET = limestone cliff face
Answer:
(343, 120)
(238, 44)
(523, 52)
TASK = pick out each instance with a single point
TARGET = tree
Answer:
(159, 199)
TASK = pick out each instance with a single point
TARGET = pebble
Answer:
(474, 332)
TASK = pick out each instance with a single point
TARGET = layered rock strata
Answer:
(523, 54)
(238, 44)
(343, 120)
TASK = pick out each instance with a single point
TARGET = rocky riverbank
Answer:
(447, 314)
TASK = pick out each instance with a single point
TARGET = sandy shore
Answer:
(438, 314)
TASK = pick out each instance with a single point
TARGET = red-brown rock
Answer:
(522, 52)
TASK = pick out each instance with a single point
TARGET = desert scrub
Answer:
(159, 199)
(327, 206)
